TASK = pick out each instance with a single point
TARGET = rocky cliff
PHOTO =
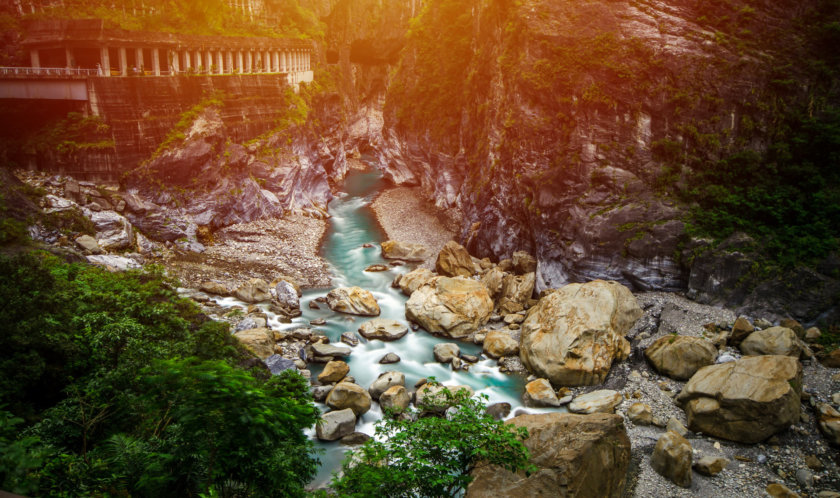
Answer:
(570, 129)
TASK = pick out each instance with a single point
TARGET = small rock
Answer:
(812, 335)
(540, 393)
(813, 462)
(640, 414)
(777, 490)
(676, 426)
(334, 371)
(335, 425)
(320, 393)
(499, 410)
(317, 322)
(349, 338)
(469, 358)
(89, 244)
(395, 398)
(805, 478)
(672, 458)
(349, 395)
(710, 465)
(444, 352)
(313, 305)
(384, 382)
(389, 358)
(321, 349)
(498, 343)
(383, 329)
(354, 439)
(376, 268)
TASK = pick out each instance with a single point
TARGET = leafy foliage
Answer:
(432, 455)
(789, 197)
(129, 389)
(282, 18)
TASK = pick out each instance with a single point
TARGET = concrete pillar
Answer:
(34, 58)
(208, 61)
(104, 62)
(138, 59)
(229, 62)
(174, 62)
(198, 63)
(267, 61)
(220, 63)
(309, 61)
(123, 62)
(275, 62)
(239, 61)
(156, 61)
(187, 61)
(249, 62)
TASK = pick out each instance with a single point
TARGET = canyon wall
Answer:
(567, 128)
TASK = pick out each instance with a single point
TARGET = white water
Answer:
(352, 224)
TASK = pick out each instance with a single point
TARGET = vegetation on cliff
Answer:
(111, 384)
(280, 18)
(742, 119)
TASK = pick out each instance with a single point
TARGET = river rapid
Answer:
(352, 225)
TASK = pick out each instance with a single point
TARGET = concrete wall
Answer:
(142, 111)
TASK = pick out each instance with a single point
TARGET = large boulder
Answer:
(384, 382)
(498, 343)
(679, 357)
(260, 341)
(773, 341)
(113, 231)
(392, 249)
(353, 300)
(516, 292)
(575, 455)
(445, 352)
(349, 395)
(454, 261)
(572, 336)
(254, 290)
(413, 280)
(383, 329)
(672, 458)
(453, 307)
(747, 400)
(335, 425)
(329, 350)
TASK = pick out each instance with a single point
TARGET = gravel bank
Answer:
(406, 216)
(260, 249)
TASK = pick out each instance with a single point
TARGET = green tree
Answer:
(421, 453)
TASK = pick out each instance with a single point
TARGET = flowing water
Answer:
(351, 226)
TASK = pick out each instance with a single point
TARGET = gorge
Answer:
(626, 215)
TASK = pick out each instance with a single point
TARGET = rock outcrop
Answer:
(573, 335)
(747, 400)
(452, 307)
(575, 455)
